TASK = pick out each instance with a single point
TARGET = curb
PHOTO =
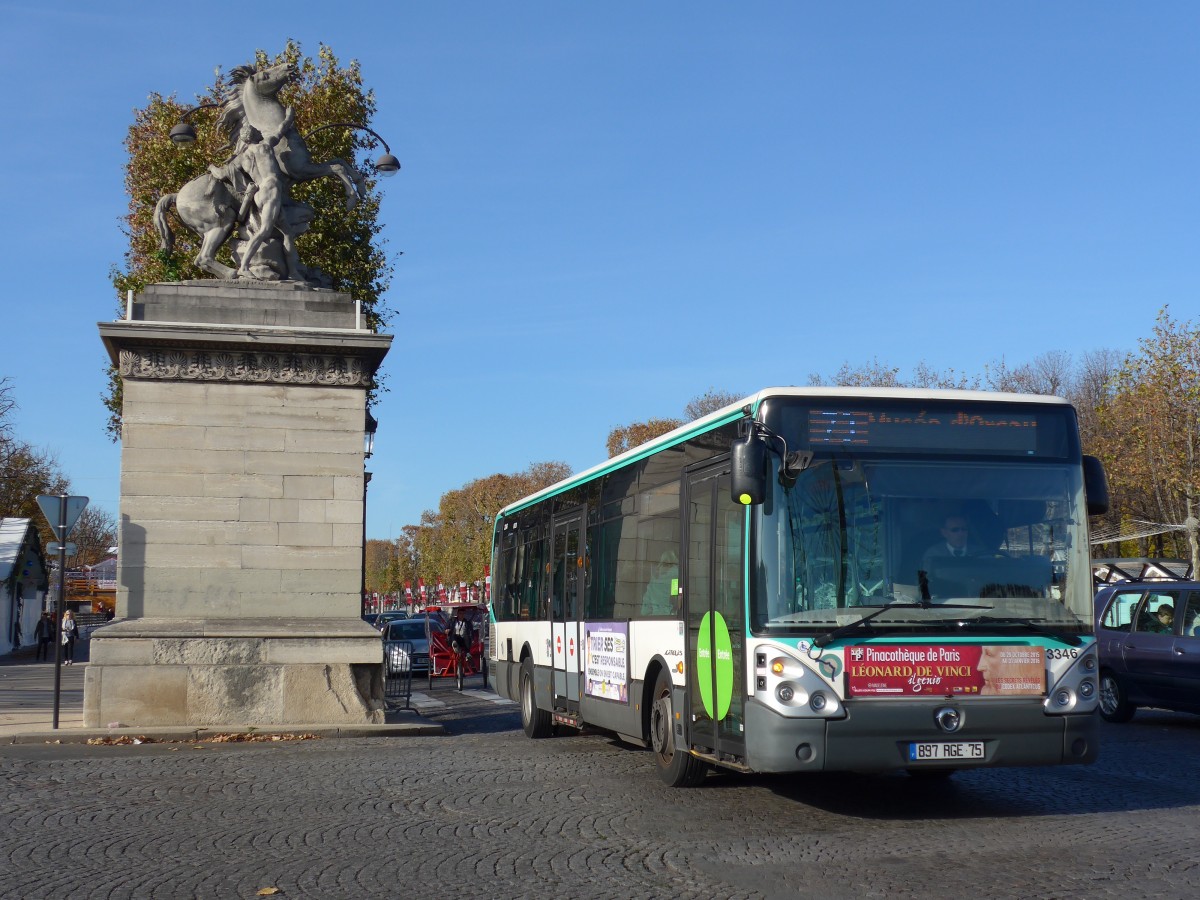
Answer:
(261, 734)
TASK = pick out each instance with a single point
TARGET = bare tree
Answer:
(878, 374)
(1091, 390)
(1049, 373)
(709, 402)
(94, 535)
(7, 405)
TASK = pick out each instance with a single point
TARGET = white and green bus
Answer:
(815, 579)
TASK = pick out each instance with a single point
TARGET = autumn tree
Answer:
(25, 470)
(377, 555)
(392, 564)
(345, 244)
(626, 437)
(454, 543)
(1152, 421)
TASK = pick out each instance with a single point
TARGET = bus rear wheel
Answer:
(675, 767)
(536, 722)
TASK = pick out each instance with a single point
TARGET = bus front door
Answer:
(716, 623)
(566, 605)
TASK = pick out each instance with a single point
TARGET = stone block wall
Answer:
(241, 500)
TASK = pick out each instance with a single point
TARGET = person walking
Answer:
(43, 633)
(70, 631)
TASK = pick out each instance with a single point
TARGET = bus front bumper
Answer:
(875, 736)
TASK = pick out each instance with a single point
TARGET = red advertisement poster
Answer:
(911, 670)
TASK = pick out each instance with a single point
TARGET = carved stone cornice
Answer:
(244, 366)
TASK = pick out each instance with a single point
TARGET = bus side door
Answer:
(566, 603)
(716, 618)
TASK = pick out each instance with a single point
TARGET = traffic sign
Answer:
(60, 519)
(53, 548)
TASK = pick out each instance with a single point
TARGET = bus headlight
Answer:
(792, 687)
(1074, 691)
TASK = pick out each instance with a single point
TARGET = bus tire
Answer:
(1114, 699)
(536, 722)
(675, 768)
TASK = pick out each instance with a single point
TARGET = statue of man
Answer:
(265, 192)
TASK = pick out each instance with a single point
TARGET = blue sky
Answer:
(608, 208)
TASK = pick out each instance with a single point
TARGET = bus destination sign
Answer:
(892, 428)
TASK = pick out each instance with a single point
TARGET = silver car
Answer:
(405, 647)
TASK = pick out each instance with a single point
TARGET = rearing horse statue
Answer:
(213, 206)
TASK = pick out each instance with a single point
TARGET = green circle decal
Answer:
(704, 665)
(713, 641)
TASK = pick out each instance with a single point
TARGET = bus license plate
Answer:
(931, 752)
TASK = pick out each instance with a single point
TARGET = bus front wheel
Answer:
(1114, 700)
(675, 767)
(536, 722)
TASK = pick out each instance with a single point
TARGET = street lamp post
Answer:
(369, 428)
(386, 166)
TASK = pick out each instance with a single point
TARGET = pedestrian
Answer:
(70, 631)
(43, 633)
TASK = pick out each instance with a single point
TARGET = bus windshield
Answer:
(944, 540)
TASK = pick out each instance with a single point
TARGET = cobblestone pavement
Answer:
(484, 812)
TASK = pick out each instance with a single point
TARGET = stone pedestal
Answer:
(241, 519)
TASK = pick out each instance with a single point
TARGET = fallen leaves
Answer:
(121, 739)
(230, 737)
(240, 737)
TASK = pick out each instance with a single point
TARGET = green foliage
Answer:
(344, 244)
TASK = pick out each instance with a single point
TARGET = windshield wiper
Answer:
(843, 630)
(831, 636)
(1028, 625)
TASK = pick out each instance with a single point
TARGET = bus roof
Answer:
(734, 411)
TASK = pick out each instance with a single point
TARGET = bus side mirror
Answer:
(1095, 486)
(749, 470)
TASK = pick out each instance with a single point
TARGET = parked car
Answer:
(381, 620)
(406, 647)
(1148, 635)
